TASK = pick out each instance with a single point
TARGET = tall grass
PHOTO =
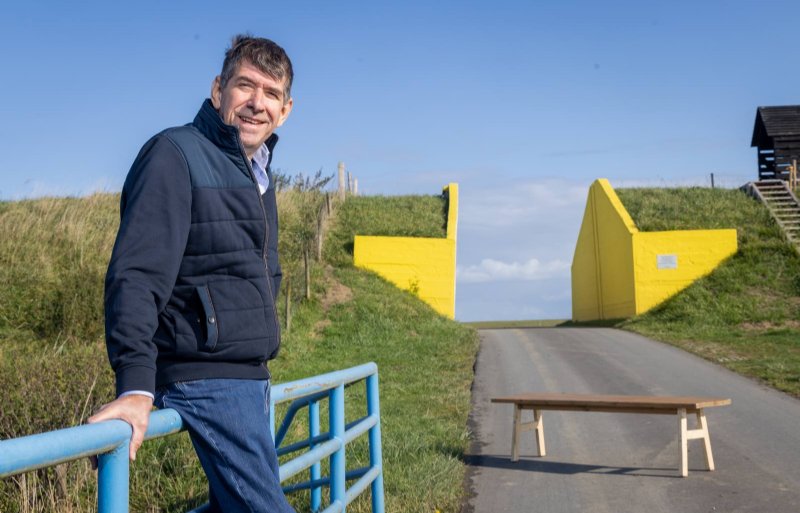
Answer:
(53, 255)
(746, 314)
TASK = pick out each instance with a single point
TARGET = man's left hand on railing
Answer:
(133, 409)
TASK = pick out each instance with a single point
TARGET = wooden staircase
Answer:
(782, 204)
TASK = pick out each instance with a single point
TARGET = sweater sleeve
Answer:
(155, 216)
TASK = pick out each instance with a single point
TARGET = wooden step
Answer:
(781, 202)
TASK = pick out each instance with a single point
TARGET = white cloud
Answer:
(495, 270)
(522, 203)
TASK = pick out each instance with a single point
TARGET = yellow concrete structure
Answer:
(618, 271)
(423, 265)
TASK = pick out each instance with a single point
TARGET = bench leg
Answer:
(684, 468)
(703, 432)
(539, 426)
(693, 434)
(516, 432)
(520, 426)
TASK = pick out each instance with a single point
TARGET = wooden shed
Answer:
(776, 134)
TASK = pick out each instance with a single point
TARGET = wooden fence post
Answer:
(342, 183)
(308, 272)
(321, 219)
(288, 297)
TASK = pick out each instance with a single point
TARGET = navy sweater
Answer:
(191, 285)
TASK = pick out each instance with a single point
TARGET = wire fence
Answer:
(712, 180)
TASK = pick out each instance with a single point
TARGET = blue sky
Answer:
(522, 103)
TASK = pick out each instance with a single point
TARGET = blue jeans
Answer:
(228, 423)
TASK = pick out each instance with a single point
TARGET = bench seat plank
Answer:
(613, 403)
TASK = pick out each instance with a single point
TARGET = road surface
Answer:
(616, 462)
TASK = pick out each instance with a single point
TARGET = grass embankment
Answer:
(395, 216)
(54, 372)
(746, 314)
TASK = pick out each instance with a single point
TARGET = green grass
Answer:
(397, 216)
(54, 372)
(425, 368)
(746, 314)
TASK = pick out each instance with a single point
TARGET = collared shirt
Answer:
(259, 162)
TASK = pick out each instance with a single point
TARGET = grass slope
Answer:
(746, 314)
(54, 371)
(424, 359)
(395, 216)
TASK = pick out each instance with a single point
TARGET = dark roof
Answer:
(772, 122)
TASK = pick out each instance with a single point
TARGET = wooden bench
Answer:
(663, 405)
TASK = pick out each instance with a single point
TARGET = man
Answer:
(191, 285)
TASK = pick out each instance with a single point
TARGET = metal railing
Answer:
(109, 441)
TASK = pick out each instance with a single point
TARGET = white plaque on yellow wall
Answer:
(667, 261)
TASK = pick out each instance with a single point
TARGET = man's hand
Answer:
(133, 409)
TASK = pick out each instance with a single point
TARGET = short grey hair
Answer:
(264, 54)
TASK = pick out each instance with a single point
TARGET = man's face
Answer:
(252, 101)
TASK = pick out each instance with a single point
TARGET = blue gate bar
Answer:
(113, 479)
(363, 424)
(296, 406)
(338, 468)
(336, 507)
(361, 485)
(305, 460)
(303, 387)
(375, 452)
(162, 423)
(325, 481)
(316, 468)
(47, 449)
(359, 427)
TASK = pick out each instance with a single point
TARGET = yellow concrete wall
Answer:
(585, 279)
(694, 254)
(602, 268)
(425, 266)
(618, 271)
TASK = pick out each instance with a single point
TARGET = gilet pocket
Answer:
(210, 319)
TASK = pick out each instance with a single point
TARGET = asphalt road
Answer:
(616, 462)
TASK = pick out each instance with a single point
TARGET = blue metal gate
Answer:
(109, 440)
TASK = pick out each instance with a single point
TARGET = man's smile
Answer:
(251, 121)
